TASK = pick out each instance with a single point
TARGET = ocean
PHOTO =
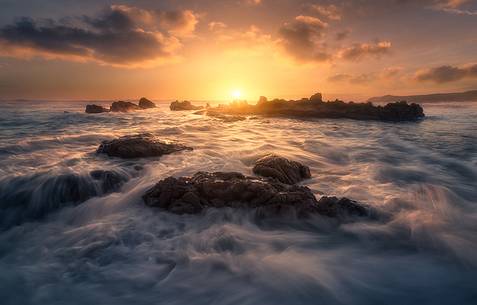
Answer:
(64, 240)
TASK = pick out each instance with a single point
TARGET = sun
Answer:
(236, 94)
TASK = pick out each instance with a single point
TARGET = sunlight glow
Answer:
(236, 94)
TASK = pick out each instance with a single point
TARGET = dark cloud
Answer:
(360, 50)
(301, 39)
(445, 74)
(121, 36)
(342, 34)
(353, 79)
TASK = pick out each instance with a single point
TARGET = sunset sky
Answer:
(173, 49)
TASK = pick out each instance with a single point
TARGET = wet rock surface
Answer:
(35, 196)
(144, 103)
(185, 105)
(281, 169)
(95, 109)
(315, 108)
(121, 106)
(139, 146)
(191, 195)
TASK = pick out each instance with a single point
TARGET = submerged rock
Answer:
(340, 207)
(282, 169)
(144, 103)
(95, 109)
(185, 105)
(191, 195)
(31, 197)
(139, 146)
(315, 108)
(226, 118)
(122, 106)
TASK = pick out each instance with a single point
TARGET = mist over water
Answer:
(112, 249)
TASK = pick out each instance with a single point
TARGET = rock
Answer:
(111, 181)
(317, 97)
(340, 207)
(139, 146)
(191, 195)
(284, 170)
(144, 103)
(226, 118)
(31, 197)
(315, 108)
(122, 106)
(185, 105)
(401, 111)
(95, 109)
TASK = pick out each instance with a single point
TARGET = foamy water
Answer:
(111, 249)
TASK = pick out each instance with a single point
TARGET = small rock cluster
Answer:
(121, 106)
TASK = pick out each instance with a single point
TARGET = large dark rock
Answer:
(317, 97)
(340, 207)
(144, 103)
(191, 195)
(95, 109)
(31, 197)
(139, 146)
(315, 108)
(185, 105)
(284, 170)
(122, 106)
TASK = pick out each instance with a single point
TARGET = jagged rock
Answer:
(139, 146)
(191, 195)
(340, 207)
(95, 109)
(282, 169)
(317, 97)
(314, 108)
(122, 106)
(185, 105)
(144, 103)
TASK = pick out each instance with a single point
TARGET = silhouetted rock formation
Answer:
(284, 170)
(144, 103)
(468, 96)
(95, 109)
(139, 146)
(317, 97)
(315, 108)
(185, 105)
(190, 195)
(122, 106)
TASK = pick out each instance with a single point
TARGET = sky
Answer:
(211, 50)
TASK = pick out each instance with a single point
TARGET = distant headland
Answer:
(468, 96)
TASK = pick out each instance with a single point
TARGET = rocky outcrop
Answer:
(121, 106)
(31, 197)
(340, 207)
(315, 108)
(144, 103)
(139, 146)
(95, 109)
(185, 105)
(191, 195)
(281, 169)
(317, 97)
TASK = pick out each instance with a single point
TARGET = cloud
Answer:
(217, 26)
(331, 11)
(301, 39)
(446, 74)
(352, 79)
(342, 34)
(252, 2)
(121, 36)
(360, 50)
